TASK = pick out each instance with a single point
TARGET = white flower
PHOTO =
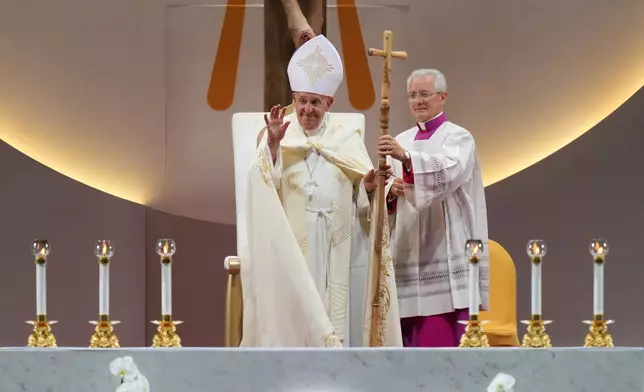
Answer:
(125, 368)
(131, 379)
(501, 383)
(127, 387)
(138, 384)
(142, 384)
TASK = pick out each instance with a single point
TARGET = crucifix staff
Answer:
(376, 258)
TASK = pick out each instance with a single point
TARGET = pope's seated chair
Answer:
(502, 327)
(234, 306)
(246, 128)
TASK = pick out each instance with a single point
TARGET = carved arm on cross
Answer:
(300, 29)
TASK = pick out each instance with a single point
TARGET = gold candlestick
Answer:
(598, 335)
(166, 335)
(41, 336)
(536, 335)
(104, 336)
(474, 335)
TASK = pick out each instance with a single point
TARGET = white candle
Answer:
(598, 289)
(536, 288)
(599, 250)
(41, 289)
(166, 289)
(103, 289)
(474, 289)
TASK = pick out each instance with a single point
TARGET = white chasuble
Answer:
(443, 209)
(306, 269)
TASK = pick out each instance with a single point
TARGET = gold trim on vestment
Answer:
(265, 169)
(332, 340)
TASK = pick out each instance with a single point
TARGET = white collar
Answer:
(423, 126)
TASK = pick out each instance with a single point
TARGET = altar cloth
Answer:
(191, 369)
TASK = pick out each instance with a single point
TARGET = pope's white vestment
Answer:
(306, 273)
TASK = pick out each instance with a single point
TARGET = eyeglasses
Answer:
(421, 95)
(316, 103)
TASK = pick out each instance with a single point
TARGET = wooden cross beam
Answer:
(285, 22)
(376, 338)
(387, 53)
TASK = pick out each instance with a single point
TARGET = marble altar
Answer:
(326, 370)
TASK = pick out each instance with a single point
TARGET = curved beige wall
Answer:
(592, 188)
(113, 94)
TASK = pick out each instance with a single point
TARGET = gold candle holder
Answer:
(598, 335)
(41, 335)
(166, 335)
(474, 335)
(536, 335)
(104, 336)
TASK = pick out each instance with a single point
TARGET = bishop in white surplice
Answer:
(306, 259)
(436, 203)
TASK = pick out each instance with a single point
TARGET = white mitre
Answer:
(316, 67)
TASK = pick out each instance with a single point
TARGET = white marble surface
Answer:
(329, 370)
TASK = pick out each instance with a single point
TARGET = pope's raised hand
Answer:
(275, 125)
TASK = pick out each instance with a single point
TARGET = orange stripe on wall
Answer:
(359, 82)
(221, 91)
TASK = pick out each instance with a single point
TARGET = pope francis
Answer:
(305, 261)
